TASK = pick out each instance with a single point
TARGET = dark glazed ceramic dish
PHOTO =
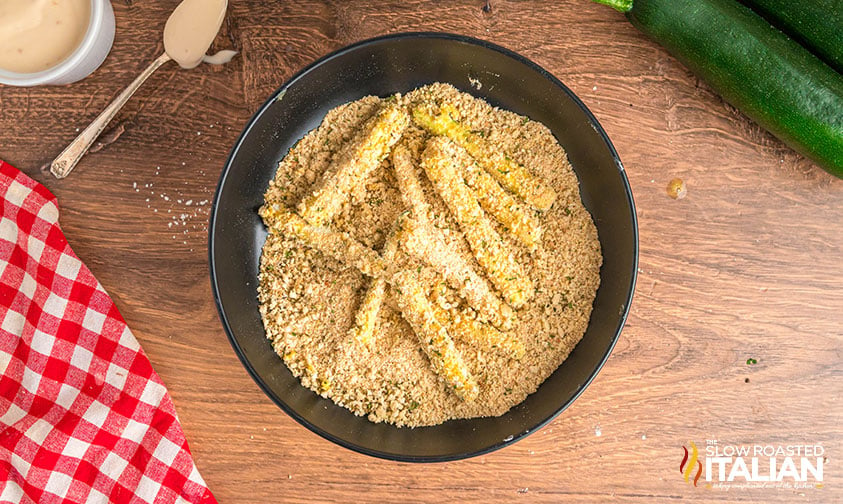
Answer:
(383, 66)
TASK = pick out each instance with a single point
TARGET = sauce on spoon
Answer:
(191, 29)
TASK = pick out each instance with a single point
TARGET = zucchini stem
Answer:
(618, 5)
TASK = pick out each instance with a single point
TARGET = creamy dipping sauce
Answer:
(36, 35)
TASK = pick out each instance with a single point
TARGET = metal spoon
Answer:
(188, 34)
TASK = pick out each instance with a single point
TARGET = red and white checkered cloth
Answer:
(83, 417)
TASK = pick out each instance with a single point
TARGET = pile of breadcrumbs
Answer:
(308, 300)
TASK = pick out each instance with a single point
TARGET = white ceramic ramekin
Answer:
(83, 61)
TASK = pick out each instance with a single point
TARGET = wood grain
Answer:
(747, 265)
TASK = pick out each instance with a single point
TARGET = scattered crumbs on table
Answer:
(597, 431)
(746, 380)
(643, 436)
(523, 490)
(189, 219)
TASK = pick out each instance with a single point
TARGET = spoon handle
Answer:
(64, 163)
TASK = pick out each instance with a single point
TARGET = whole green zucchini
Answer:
(816, 24)
(758, 69)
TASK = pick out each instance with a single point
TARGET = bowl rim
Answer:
(271, 100)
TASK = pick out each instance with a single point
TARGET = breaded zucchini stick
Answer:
(366, 319)
(424, 243)
(518, 220)
(408, 183)
(486, 337)
(355, 162)
(440, 162)
(433, 336)
(512, 175)
(471, 330)
(339, 245)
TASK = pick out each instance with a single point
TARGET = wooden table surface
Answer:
(748, 265)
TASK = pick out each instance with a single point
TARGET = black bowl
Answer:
(383, 66)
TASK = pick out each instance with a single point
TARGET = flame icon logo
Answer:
(686, 467)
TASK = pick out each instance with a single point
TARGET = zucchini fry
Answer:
(433, 336)
(366, 319)
(471, 330)
(440, 162)
(510, 174)
(354, 163)
(340, 246)
(408, 183)
(486, 337)
(424, 243)
(519, 221)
